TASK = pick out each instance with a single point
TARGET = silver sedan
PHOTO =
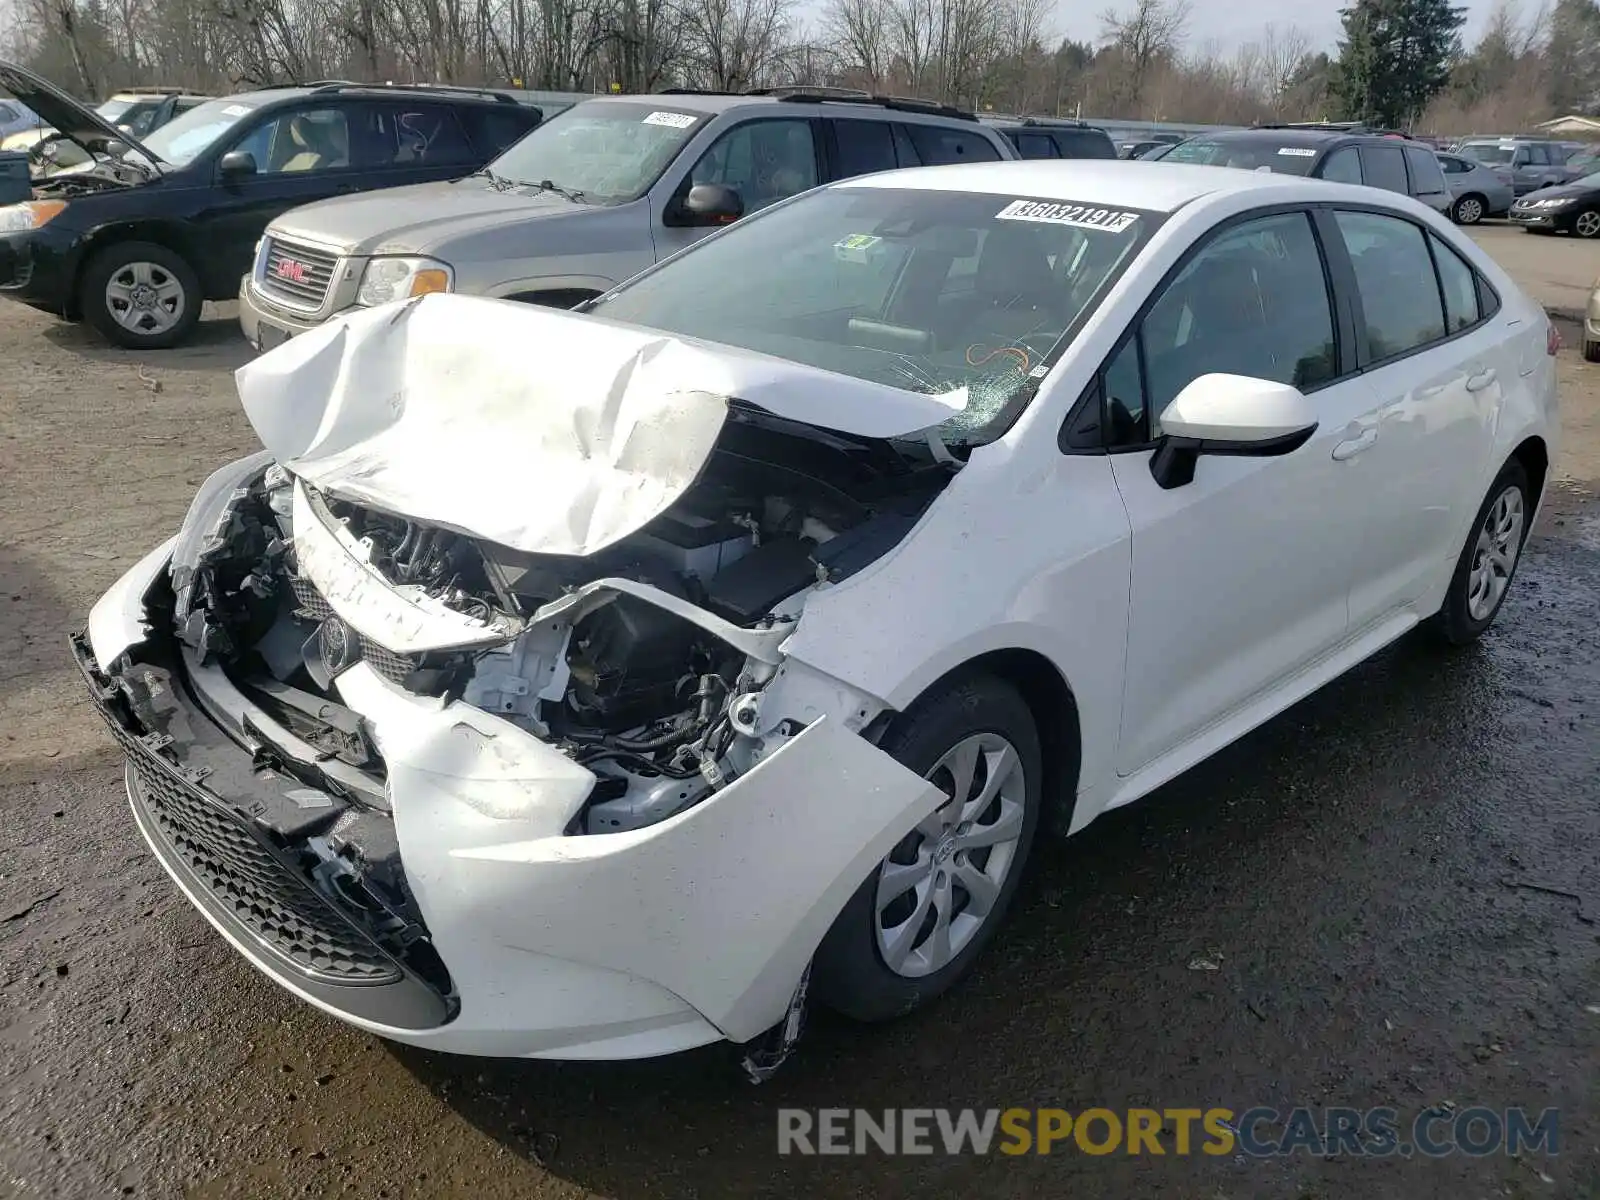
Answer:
(1475, 191)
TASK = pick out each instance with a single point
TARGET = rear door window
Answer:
(1075, 143)
(1384, 167)
(1342, 166)
(1400, 297)
(414, 135)
(1427, 180)
(493, 128)
(1035, 145)
(1459, 283)
(863, 147)
(938, 145)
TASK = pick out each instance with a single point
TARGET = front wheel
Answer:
(1488, 560)
(1587, 223)
(140, 295)
(920, 920)
(1468, 210)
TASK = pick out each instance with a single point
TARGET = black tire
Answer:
(1454, 621)
(1591, 351)
(171, 315)
(1463, 212)
(850, 974)
(1586, 224)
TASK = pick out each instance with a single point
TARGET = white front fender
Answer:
(722, 905)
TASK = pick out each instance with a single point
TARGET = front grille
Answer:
(396, 668)
(297, 273)
(229, 858)
(249, 881)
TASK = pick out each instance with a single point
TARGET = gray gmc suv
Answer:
(589, 198)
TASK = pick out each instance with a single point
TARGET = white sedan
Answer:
(588, 685)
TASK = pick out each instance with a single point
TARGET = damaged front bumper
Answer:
(521, 936)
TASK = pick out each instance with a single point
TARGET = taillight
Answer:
(1552, 338)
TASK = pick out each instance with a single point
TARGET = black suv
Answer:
(1054, 137)
(1389, 161)
(136, 240)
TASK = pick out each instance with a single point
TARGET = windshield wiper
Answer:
(544, 185)
(499, 182)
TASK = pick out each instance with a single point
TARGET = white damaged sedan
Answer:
(600, 685)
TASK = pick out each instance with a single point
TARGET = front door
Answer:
(1239, 578)
(763, 160)
(301, 155)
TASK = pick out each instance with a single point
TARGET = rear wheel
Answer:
(1587, 223)
(1591, 351)
(1467, 210)
(140, 295)
(922, 917)
(1488, 560)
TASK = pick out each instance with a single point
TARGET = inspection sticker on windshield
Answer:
(1081, 216)
(856, 247)
(1297, 152)
(670, 119)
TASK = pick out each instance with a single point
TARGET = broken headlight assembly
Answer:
(403, 278)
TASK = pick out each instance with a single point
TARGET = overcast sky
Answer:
(1232, 23)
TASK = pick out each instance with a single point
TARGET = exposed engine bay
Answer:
(648, 688)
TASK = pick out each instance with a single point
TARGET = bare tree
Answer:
(1149, 33)
(859, 31)
(732, 45)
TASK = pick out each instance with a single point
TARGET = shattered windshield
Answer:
(602, 153)
(1250, 154)
(929, 291)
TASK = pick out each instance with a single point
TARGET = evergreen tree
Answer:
(1395, 57)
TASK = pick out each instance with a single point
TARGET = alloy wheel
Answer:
(940, 884)
(1469, 211)
(1587, 224)
(1494, 556)
(145, 297)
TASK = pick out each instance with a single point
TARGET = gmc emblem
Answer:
(287, 268)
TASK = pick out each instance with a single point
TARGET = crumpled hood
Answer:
(418, 218)
(546, 431)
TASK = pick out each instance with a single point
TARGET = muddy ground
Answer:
(1353, 871)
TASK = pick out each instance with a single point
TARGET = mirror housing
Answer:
(236, 164)
(117, 149)
(711, 204)
(1229, 414)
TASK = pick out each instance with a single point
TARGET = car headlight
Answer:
(1558, 202)
(387, 279)
(30, 214)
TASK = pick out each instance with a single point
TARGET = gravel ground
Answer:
(1352, 870)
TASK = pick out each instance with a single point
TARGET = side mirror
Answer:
(236, 164)
(711, 204)
(1229, 414)
(117, 149)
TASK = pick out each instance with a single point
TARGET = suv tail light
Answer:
(1552, 338)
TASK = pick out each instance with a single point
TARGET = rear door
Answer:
(1034, 144)
(408, 141)
(1083, 143)
(1436, 363)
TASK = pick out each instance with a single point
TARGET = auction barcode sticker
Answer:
(1080, 216)
(1297, 152)
(670, 119)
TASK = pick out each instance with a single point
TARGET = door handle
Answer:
(1352, 446)
(1476, 383)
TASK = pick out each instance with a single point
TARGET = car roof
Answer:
(1479, 139)
(714, 103)
(1010, 122)
(1153, 186)
(368, 90)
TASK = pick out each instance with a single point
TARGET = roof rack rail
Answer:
(153, 89)
(823, 95)
(678, 91)
(1047, 121)
(343, 85)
